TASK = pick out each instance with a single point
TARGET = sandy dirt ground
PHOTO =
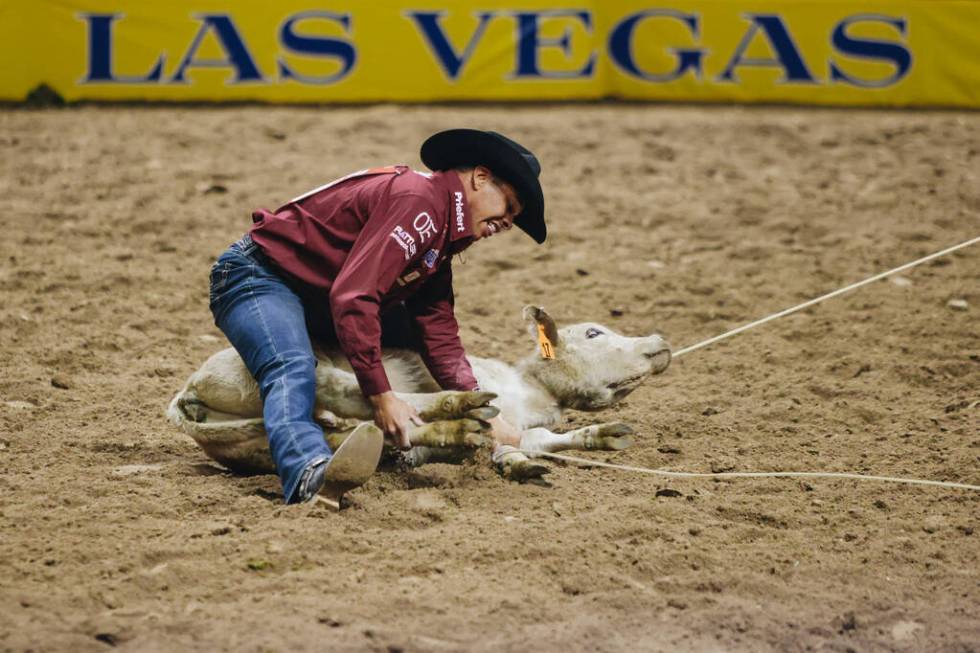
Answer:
(118, 532)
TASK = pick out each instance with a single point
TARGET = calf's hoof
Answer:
(475, 399)
(516, 466)
(454, 405)
(614, 436)
(483, 413)
(330, 421)
(616, 444)
(193, 409)
(526, 470)
(615, 429)
(452, 433)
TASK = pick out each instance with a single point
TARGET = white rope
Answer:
(752, 325)
(664, 472)
(841, 291)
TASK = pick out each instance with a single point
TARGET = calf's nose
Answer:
(654, 345)
(658, 353)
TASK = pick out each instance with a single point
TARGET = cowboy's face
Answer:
(493, 203)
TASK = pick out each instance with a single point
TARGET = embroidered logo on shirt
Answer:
(430, 258)
(405, 240)
(424, 226)
(460, 218)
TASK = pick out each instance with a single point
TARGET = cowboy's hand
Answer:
(395, 417)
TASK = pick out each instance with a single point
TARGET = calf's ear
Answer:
(536, 317)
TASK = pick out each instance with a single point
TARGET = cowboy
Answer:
(361, 262)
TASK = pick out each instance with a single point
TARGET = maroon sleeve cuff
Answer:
(373, 381)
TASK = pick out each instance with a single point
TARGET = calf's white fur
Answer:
(593, 368)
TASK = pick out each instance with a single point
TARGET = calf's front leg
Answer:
(612, 436)
(452, 433)
(339, 393)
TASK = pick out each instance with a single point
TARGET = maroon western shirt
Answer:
(368, 240)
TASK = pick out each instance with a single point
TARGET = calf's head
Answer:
(592, 367)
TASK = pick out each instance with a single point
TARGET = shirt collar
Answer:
(459, 208)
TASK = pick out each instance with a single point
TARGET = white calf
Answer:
(588, 367)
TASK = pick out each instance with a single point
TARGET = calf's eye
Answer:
(592, 333)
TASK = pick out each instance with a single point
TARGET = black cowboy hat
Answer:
(507, 159)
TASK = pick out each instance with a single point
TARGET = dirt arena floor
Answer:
(118, 532)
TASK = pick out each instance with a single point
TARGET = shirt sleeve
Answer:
(387, 244)
(442, 350)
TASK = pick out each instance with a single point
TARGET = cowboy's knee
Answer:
(297, 369)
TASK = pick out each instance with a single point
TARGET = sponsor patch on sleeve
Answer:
(404, 240)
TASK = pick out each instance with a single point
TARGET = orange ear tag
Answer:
(547, 349)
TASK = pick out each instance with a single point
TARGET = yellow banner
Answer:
(875, 52)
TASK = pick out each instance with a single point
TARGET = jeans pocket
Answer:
(218, 280)
(231, 276)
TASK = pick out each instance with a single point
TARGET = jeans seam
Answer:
(281, 381)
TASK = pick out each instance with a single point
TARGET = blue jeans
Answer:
(264, 320)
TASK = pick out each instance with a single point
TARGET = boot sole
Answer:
(353, 463)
